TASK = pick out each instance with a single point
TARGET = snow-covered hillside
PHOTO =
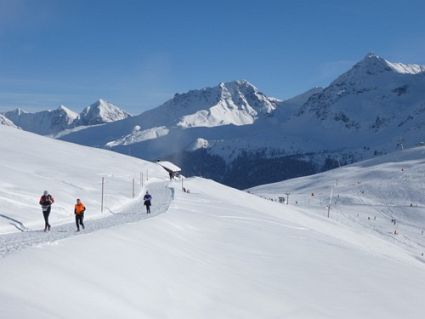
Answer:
(367, 195)
(215, 253)
(30, 164)
(56, 122)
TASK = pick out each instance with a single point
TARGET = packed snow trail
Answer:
(130, 213)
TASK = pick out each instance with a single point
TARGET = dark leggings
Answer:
(46, 214)
(79, 220)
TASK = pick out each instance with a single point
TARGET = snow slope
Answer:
(31, 163)
(5, 121)
(250, 258)
(367, 196)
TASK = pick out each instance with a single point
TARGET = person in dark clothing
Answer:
(79, 214)
(147, 198)
(46, 202)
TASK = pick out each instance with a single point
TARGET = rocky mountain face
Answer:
(53, 122)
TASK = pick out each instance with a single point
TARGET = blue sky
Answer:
(137, 54)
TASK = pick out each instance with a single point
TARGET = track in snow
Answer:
(133, 212)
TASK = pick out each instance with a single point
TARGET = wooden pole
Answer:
(103, 186)
(133, 188)
(287, 198)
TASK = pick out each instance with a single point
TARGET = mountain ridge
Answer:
(52, 122)
(237, 135)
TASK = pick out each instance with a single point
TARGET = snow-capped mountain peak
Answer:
(101, 112)
(235, 102)
(372, 95)
(373, 64)
(61, 119)
(249, 94)
(44, 122)
(70, 115)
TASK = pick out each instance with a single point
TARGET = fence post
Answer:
(103, 186)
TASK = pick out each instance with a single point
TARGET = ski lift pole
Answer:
(103, 186)
(330, 201)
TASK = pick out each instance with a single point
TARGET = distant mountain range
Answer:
(55, 121)
(239, 136)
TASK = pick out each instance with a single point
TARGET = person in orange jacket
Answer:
(79, 214)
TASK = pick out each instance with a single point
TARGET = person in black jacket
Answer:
(147, 202)
(46, 202)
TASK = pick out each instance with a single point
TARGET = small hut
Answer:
(172, 169)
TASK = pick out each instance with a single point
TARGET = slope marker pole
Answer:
(287, 198)
(103, 186)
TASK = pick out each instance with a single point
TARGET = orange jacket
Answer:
(79, 208)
